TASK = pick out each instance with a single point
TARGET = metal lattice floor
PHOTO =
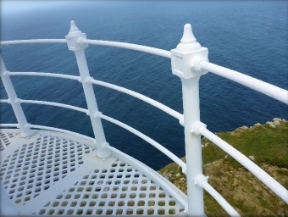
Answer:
(53, 173)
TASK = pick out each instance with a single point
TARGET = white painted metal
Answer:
(63, 131)
(161, 106)
(189, 61)
(9, 125)
(149, 140)
(4, 101)
(146, 49)
(61, 105)
(33, 41)
(72, 77)
(248, 81)
(13, 99)
(146, 99)
(58, 174)
(179, 196)
(7, 208)
(201, 181)
(181, 57)
(73, 40)
(275, 186)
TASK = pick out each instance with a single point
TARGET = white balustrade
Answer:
(74, 44)
(14, 101)
(189, 62)
(181, 57)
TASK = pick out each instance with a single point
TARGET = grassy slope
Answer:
(268, 145)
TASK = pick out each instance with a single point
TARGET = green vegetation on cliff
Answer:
(267, 146)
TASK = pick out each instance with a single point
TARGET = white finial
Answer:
(74, 29)
(188, 41)
(188, 36)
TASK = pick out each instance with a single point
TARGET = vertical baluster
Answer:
(182, 65)
(14, 101)
(74, 44)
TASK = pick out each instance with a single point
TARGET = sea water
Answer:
(247, 36)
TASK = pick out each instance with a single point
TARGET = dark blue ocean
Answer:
(248, 36)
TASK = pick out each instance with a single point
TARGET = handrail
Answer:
(201, 181)
(218, 197)
(142, 97)
(275, 186)
(248, 81)
(62, 105)
(9, 125)
(45, 74)
(147, 139)
(130, 46)
(62, 131)
(130, 129)
(52, 129)
(33, 41)
(146, 99)
(183, 65)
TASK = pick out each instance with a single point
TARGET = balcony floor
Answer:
(53, 173)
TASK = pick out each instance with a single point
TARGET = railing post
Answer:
(74, 41)
(183, 58)
(14, 101)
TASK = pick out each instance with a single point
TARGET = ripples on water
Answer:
(250, 37)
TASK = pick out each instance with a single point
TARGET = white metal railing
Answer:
(189, 62)
(248, 81)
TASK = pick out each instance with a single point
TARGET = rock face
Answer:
(244, 128)
(275, 122)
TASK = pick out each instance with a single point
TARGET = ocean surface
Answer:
(247, 36)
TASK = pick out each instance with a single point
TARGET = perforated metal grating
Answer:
(86, 185)
(4, 140)
(36, 166)
(118, 190)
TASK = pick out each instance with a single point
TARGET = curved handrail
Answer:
(130, 46)
(52, 129)
(62, 105)
(33, 41)
(275, 186)
(9, 125)
(218, 197)
(4, 101)
(258, 85)
(248, 81)
(146, 99)
(45, 74)
(147, 139)
(119, 123)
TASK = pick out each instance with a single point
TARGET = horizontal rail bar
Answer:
(72, 77)
(248, 81)
(276, 187)
(9, 125)
(55, 104)
(4, 100)
(33, 41)
(137, 47)
(61, 131)
(218, 197)
(146, 99)
(147, 139)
